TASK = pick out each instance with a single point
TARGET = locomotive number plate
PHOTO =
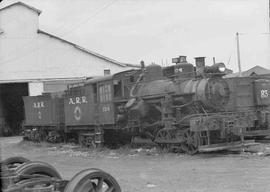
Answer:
(264, 93)
(106, 108)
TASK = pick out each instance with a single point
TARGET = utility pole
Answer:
(268, 33)
(238, 55)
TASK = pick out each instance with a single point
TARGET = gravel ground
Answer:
(144, 170)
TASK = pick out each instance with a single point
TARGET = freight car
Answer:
(250, 96)
(44, 119)
(181, 107)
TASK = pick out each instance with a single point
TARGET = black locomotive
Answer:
(180, 106)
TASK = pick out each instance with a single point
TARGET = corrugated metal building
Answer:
(33, 61)
(256, 70)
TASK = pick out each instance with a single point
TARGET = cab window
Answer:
(105, 93)
(117, 87)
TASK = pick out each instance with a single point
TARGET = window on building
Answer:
(107, 72)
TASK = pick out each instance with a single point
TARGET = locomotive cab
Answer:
(181, 70)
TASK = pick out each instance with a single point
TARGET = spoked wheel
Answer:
(162, 137)
(87, 139)
(14, 162)
(92, 180)
(190, 142)
(53, 137)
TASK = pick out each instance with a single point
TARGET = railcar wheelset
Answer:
(19, 174)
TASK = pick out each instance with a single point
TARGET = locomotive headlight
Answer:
(221, 68)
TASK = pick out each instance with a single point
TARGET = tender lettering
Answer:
(38, 105)
(39, 115)
(84, 99)
(71, 101)
(77, 100)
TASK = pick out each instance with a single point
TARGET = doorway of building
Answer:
(12, 107)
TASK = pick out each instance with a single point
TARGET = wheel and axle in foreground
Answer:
(92, 180)
(14, 162)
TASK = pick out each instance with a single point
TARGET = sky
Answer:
(158, 30)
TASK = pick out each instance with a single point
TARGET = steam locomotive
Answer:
(180, 107)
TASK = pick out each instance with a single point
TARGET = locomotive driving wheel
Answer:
(162, 138)
(163, 135)
(169, 139)
(190, 142)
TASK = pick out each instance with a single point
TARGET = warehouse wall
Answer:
(17, 41)
(28, 53)
(59, 85)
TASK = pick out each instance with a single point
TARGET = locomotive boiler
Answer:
(208, 89)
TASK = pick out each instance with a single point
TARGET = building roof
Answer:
(23, 4)
(83, 49)
(33, 80)
(257, 70)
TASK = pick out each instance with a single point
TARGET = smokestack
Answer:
(200, 62)
(200, 65)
